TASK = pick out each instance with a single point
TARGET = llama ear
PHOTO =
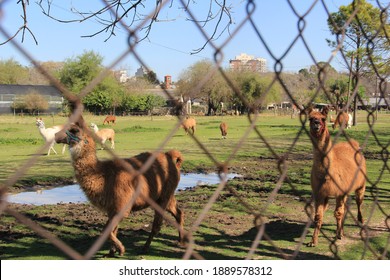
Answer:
(325, 111)
(309, 109)
(176, 157)
(81, 123)
(74, 105)
(179, 162)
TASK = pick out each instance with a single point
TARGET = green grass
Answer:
(227, 231)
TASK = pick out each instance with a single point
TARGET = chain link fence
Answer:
(375, 204)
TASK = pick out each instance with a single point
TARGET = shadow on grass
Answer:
(215, 244)
(210, 242)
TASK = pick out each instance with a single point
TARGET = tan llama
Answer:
(189, 125)
(337, 171)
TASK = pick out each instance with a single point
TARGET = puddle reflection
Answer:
(74, 194)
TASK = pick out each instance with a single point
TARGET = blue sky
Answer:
(167, 51)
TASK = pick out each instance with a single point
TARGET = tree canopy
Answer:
(256, 89)
(363, 32)
(33, 102)
(12, 72)
(78, 72)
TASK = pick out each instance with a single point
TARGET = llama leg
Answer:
(319, 214)
(339, 214)
(359, 201)
(63, 148)
(179, 216)
(326, 203)
(52, 148)
(112, 144)
(157, 222)
(116, 245)
(48, 152)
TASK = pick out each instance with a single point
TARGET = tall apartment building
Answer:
(245, 62)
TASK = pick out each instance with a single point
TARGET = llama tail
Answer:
(176, 156)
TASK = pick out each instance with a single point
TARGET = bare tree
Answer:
(35, 102)
(23, 29)
(138, 15)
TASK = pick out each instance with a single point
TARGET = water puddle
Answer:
(74, 194)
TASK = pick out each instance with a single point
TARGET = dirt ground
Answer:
(226, 232)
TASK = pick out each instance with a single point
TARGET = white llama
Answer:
(350, 121)
(48, 134)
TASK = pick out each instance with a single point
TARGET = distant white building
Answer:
(248, 63)
(123, 78)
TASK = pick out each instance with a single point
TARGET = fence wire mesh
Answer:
(376, 200)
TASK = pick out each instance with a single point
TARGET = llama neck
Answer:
(42, 130)
(322, 149)
(86, 167)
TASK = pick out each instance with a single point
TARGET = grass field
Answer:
(228, 229)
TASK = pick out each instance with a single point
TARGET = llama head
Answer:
(317, 121)
(39, 123)
(176, 157)
(77, 138)
(94, 127)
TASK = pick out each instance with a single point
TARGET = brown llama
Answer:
(343, 119)
(337, 171)
(189, 125)
(109, 119)
(223, 127)
(110, 187)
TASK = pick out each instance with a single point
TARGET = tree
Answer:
(141, 102)
(300, 86)
(362, 31)
(152, 78)
(11, 72)
(18, 104)
(257, 89)
(366, 31)
(202, 81)
(153, 101)
(129, 102)
(114, 13)
(80, 71)
(37, 78)
(190, 78)
(32, 102)
(35, 103)
(339, 90)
